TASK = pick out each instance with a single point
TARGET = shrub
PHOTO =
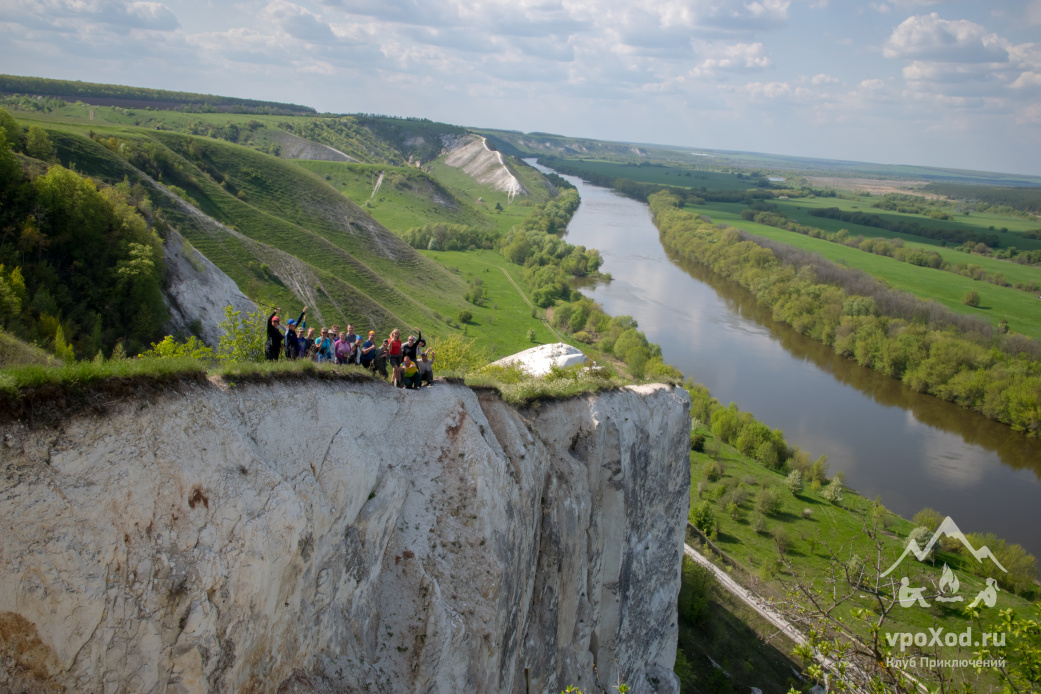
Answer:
(806, 513)
(1020, 565)
(794, 482)
(930, 518)
(758, 523)
(833, 492)
(819, 470)
(243, 338)
(702, 518)
(971, 299)
(465, 316)
(697, 442)
(921, 536)
(713, 470)
(530, 335)
(767, 501)
(782, 540)
(456, 354)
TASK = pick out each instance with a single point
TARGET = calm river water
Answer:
(912, 450)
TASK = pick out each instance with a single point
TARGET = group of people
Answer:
(411, 364)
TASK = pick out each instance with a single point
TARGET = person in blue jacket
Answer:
(293, 350)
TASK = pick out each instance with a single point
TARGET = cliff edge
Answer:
(345, 537)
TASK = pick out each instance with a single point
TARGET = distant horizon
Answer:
(937, 83)
(661, 145)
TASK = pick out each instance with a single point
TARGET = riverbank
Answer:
(912, 450)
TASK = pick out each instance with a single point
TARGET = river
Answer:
(912, 450)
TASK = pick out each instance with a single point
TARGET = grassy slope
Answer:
(948, 288)
(298, 207)
(365, 273)
(15, 352)
(501, 324)
(408, 197)
(840, 526)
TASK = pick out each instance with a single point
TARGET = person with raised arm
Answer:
(273, 346)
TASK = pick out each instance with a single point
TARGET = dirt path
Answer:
(523, 296)
(758, 604)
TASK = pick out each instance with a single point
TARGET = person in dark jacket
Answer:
(293, 350)
(379, 362)
(273, 347)
(411, 347)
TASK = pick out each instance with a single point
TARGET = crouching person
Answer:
(409, 373)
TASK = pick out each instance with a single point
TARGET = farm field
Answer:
(1022, 310)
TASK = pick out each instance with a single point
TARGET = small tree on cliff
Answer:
(243, 338)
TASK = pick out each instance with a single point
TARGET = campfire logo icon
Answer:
(948, 584)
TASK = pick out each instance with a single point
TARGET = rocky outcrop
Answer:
(342, 537)
(197, 291)
(471, 154)
(292, 146)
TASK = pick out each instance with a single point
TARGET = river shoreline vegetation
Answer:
(491, 274)
(956, 358)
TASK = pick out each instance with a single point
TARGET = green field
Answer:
(798, 209)
(1022, 310)
(665, 174)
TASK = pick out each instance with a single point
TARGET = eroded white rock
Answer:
(324, 536)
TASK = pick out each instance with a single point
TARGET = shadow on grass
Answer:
(742, 644)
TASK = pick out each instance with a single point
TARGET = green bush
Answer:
(833, 492)
(928, 517)
(465, 316)
(697, 442)
(794, 482)
(702, 518)
(971, 299)
(758, 522)
(767, 501)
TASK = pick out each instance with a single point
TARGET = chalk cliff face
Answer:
(312, 536)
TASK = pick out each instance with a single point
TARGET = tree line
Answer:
(907, 227)
(961, 359)
(1023, 199)
(14, 84)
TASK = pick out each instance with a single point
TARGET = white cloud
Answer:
(297, 22)
(927, 37)
(1027, 80)
(822, 78)
(777, 91)
(873, 85)
(739, 57)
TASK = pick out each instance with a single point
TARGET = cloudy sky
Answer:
(952, 83)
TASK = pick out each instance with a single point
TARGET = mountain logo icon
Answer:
(948, 528)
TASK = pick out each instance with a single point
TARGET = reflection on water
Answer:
(913, 450)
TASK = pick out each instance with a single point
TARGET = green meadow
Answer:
(1021, 309)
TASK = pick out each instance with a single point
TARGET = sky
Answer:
(951, 83)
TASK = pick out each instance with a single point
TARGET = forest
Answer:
(115, 94)
(81, 263)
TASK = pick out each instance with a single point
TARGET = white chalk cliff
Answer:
(316, 536)
(472, 154)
